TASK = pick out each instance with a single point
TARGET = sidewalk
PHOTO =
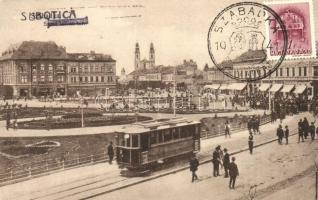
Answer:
(80, 182)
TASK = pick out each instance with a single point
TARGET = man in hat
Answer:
(226, 163)
(194, 163)
(300, 131)
(280, 134)
(312, 129)
(233, 171)
(286, 133)
(216, 161)
(250, 142)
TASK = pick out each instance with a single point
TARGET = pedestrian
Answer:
(257, 124)
(194, 163)
(254, 125)
(227, 129)
(305, 127)
(8, 119)
(300, 131)
(280, 134)
(249, 125)
(312, 129)
(110, 151)
(226, 163)
(286, 133)
(216, 161)
(234, 172)
(250, 142)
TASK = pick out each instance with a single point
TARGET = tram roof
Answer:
(151, 125)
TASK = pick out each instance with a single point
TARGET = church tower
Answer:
(152, 55)
(137, 57)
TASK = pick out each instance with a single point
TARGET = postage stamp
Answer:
(238, 35)
(299, 22)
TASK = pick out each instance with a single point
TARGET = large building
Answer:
(34, 68)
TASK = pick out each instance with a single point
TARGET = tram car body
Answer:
(142, 147)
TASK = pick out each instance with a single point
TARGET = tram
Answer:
(142, 147)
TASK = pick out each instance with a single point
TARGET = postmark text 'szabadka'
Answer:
(55, 18)
(238, 34)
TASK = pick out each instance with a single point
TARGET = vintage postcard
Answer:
(160, 100)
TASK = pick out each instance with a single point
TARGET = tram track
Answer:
(102, 186)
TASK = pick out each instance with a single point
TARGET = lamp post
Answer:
(174, 92)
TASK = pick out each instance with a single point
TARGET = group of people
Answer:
(253, 124)
(220, 158)
(304, 129)
(282, 134)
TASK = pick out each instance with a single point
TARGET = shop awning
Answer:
(237, 86)
(264, 87)
(300, 89)
(287, 88)
(213, 86)
(276, 87)
(223, 87)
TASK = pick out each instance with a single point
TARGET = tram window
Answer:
(144, 141)
(135, 141)
(127, 140)
(160, 134)
(191, 130)
(120, 141)
(153, 138)
(175, 133)
(185, 132)
(167, 135)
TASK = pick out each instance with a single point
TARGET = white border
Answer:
(312, 30)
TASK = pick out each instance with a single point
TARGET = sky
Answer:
(178, 28)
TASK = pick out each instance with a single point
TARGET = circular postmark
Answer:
(239, 41)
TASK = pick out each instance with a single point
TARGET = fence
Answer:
(235, 127)
(33, 169)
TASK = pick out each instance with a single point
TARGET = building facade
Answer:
(34, 68)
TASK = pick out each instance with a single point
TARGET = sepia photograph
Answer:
(158, 100)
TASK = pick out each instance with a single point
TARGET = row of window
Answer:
(157, 137)
(302, 71)
(86, 79)
(281, 72)
(42, 78)
(81, 69)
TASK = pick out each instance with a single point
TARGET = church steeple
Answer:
(152, 55)
(137, 56)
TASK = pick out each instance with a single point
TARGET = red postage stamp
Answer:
(299, 23)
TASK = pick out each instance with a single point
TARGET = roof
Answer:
(89, 57)
(250, 56)
(300, 89)
(146, 126)
(287, 88)
(264, 87)
(276, 87)
(34, 50)
(27, 50)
